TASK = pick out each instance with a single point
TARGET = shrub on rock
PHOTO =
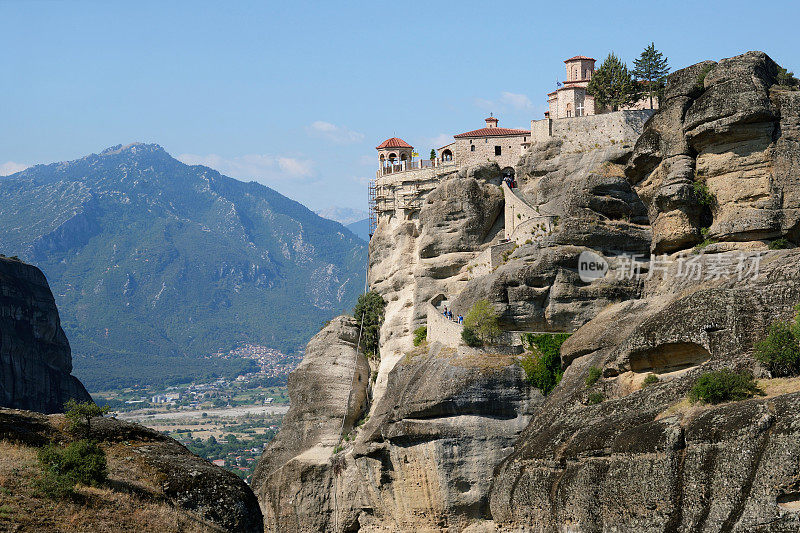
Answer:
(420, 334)
(724, 386)
(470, 338)
(780, 351)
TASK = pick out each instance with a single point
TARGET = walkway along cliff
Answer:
(444, 437)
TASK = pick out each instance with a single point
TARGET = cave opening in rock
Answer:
(669, 357)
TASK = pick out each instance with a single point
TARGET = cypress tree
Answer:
(651, 68)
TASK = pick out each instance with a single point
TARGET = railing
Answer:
(403, 166)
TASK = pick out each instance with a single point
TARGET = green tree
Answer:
(780, 351)
(80, 414)
(370, 310)
(433, 154)
(652, 69)
(482, 319)
(420, 334)
(612, 85)
(786, 79)
(542, 365)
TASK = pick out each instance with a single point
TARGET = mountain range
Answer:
(156, 266)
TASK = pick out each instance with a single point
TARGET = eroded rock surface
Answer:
(730, 128)
(644, 459)
(35, 357)
(329, 392)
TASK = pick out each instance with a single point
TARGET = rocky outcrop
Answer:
(329, 393)
(726, 128)
(35, 357)
(644, 459)
(595, 210)
(457, 440)
(423, 459)
(154, 483)
(411, 261)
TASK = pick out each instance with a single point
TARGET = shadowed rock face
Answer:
(632, 463)
(729, 127)
(35, 358)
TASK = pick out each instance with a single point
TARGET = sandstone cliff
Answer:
(457, 440)
(35, 358)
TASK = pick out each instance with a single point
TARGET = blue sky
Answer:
(296, 95)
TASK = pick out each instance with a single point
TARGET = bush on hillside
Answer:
(723, 386)
(470, 338)
(650, 379)
(370, 309)
(780, 244)
(542, 364)
(420, 335)
(483, 320)
(80, 462)
(780, 351)
(595, 398)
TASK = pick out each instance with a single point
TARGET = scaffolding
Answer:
(373, 215)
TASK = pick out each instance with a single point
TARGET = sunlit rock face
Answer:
(727, 128)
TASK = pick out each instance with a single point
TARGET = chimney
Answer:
(491, 122)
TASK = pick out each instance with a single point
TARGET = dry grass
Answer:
(778, 386)
(130, 501)
(771, 387)
(610, 170)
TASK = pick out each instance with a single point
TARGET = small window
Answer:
(472, 148)
(497, 150)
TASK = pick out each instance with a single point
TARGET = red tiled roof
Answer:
(394, 142)
(492, 132)
(576, 58)
(491, 119)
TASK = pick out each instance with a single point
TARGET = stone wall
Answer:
(489, 259)
(518, 212)
(583, 133)
(510, 147)
(440, 328)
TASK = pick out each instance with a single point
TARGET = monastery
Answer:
(403, 179)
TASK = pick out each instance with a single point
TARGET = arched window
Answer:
(569, 110)
(392, 157)
(403, 157)
(447, 155)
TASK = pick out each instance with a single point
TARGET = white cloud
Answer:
(506, 101)
(334, 133)
(295, 167)
(517, 101)
(263, 168)
(440, 140)
(485, 104)
(10, 167)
